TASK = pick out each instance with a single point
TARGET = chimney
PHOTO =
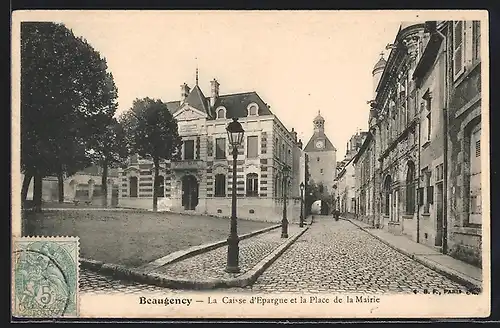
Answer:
(299, 144)
(294, 133)
(184, 92)
(214, 88)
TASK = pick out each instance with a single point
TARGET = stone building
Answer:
(322, 156)
(345, 182)
(463, 175)
(418, 171)
(201, 182)
(83, 187)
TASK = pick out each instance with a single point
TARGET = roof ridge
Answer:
(238, 93)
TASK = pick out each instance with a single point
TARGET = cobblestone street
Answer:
(337, 256)
(330, 257)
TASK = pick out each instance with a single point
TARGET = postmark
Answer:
(45, 273)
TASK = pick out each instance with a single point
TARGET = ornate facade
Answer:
(201, 182)
(418, 172)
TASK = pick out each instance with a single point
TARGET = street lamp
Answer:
(235, 134)
(284, 221)
(301, 204)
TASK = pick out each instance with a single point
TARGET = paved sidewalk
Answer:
(444, 264)
(211, 264)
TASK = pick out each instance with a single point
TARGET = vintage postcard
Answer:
(250, 164)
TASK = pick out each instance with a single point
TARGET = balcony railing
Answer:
(191, 164)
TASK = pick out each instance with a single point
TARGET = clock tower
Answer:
(322, 156)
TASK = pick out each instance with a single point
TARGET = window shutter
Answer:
(430, 194)
(420, 196)
(458, 48)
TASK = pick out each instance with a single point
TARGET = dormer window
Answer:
(253, 109)
(221, 112)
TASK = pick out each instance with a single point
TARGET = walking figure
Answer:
(336, 214)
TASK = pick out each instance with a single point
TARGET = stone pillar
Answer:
(109, 193)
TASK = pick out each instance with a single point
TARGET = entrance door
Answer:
(439, 215)
(189, 192)
(114, 195)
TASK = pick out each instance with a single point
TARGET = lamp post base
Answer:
(284, 229)
(233, 269)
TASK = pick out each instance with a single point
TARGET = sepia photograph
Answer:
(239, 164)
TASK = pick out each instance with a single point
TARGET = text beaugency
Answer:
(165, 301)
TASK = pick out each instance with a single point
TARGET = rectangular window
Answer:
(220, 185)
(133, 187)
(429, 127)
(252, 146)
(476, 41)
(430, 195)
(189, 149)
(420, 196)
(220, 148)
(429, 191)
(475, 211)
(252, 184)
(458, 48)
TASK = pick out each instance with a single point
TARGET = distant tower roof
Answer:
(319, 117)
(381, 62)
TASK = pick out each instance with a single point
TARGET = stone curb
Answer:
(121, 272)
(249, 277)
(196, 250)
(453, 275)
(98, 266)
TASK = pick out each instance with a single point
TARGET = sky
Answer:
(299, 62)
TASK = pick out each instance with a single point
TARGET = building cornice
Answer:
(404, 48)
(402, 135)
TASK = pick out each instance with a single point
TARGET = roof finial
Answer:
(196, 74)
(196, 58)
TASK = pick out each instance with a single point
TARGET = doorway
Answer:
(189, 192)
(439, 214)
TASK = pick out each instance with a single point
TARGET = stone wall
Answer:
(464, 237)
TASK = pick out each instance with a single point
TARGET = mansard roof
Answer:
(236, 104)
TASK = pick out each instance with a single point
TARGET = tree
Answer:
(109, 149)
(152, 133)
(66, 97)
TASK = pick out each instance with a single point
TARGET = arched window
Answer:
(253, 109)
(410, 188)
(161, 186)
(220, 185)
(221, 113)
(133, 187)
(252, 184)
(387, 194)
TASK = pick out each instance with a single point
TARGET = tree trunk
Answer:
(26, 184)
(155, 184)
(104, 182)
(60, 185)
(37, 192)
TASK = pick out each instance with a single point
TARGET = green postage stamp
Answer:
(45, 274)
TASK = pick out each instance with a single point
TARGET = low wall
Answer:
(260, 209)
